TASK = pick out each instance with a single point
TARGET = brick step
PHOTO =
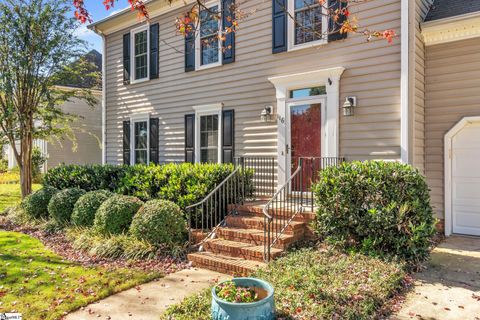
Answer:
(256, 222)
(256, 237)
(237, 249)
(224, 264)
(256, 207)
(305, 217)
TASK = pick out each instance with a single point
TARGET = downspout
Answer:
(404, 82)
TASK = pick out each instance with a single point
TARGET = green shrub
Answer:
(87, 205)
(61, 204)
(115, 214)
(36, 204)
(86, 177)
(159, 222)
(379, 208)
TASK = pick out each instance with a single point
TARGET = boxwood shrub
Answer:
(184, 184)
(87, 205)
(159, 222)
(375, 207)
(115, 214)
(36, 204)
(61, 205)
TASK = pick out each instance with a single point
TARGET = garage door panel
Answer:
(466, 162)
(466, 189)
(466, 180)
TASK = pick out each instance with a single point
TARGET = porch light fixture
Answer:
(266, 115)
(348, 106)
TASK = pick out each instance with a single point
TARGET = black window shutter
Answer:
(154, 45)
(229, 43)
(279, 18)
(126, 142)
(228, 136)
(154, 131)
(190, 138)
(190, 51)
(126, 58)
(334, 27)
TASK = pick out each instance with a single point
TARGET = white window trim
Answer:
(198, 48)
(291, 30)
(132, 53)
(142, 117)
(208, 110)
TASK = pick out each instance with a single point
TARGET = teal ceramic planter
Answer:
(259, 310)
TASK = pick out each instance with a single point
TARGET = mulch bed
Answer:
(58, 243)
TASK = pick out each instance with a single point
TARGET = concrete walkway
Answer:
(149, 300)
(450, 287)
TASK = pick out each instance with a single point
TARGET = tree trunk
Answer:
(26, 164)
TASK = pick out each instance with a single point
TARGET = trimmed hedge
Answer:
(61, 204)
(184, 184)
(115, 214)
(87, 205)
(160, 222)
(375, 207)
(36, 204)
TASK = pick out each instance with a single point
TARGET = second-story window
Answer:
(308, 25)
(209, 49)
(140, 56)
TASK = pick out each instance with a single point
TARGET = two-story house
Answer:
(280, 91)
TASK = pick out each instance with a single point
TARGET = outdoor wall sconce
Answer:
(266, 115)
(348, 106)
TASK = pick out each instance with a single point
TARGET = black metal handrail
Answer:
(280, 210)
(210, 213)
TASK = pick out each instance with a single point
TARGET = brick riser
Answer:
(237, 248)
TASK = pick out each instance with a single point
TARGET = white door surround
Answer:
(330, 78)
(454, 139)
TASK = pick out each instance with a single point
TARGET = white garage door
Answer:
(466, 180)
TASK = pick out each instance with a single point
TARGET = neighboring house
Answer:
(87, 128)
(88, 133)
(277, 90)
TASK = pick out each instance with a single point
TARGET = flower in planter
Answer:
(229, 292)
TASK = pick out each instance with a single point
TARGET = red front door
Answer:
(305, 137)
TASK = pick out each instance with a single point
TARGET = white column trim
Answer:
(327, 77)
(404, 114)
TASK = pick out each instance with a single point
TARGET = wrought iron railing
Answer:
(292, 198)
(209, 214)
(280, 210)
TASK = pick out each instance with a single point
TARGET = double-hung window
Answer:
(208, 133)
(209, 50)
(140, 54)
(140, 139)
(209, 145)
(309, 25)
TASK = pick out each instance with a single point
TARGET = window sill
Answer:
(208, 66)
(139, 81)
(307, 45)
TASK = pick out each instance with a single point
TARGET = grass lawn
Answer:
(38, 283)
(314, 284)
(10, 195)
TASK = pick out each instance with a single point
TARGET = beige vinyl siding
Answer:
(88, 133)
(372, 74)
(452, 92)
